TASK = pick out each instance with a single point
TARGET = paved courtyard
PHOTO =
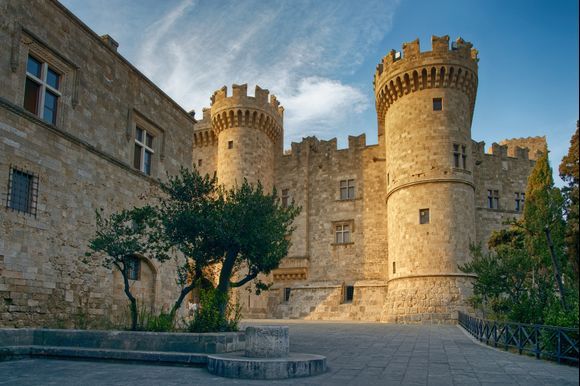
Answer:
(358, 354)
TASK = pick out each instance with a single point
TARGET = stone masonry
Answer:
(382, 229)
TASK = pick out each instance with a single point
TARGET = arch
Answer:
(239, 122)
(399, 86)
(247, 118)
(451, 73)
(442, 77)
(231, 121)
(415, 80)
(407, 83)
(424, 79)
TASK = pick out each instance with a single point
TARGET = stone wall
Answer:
(508, 175)
(81, 163)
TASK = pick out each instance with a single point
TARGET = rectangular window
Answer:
(437, 104)
(342, 233)
(493, 199)
(287, 292)
(133, 268)
(199, 162)
(347, 189)
(41, 90)
(22, 191)
(348, 294)
(423, 216)
(143, 155)
(459, 156)
(520, 199)
(230, 144)
(285, 198)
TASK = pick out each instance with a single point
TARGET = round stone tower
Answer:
(249, 131)
(425, 104)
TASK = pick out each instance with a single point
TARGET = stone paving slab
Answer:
(358, 354)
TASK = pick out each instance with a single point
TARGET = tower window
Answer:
(22, 191)
(493, 199)
(143, 155)
(199, 162)
(423, 217)
(287, 292)
(520, 198)
(285, 198)
(348, 294)
(437, 104)
(230, 144)
(41, 91)
(459, 156)
(347, 189)
(342, 234)
(394, 267)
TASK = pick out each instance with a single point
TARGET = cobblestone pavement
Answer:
(358, 354)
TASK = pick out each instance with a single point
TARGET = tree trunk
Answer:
(224, 283)
(133, 305)
(556, 269)
(182, 295)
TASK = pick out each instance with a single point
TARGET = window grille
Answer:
(22, 193)
(133, 268)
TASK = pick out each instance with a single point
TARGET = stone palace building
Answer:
(383, 227)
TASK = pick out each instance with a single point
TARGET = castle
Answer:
(383, 227)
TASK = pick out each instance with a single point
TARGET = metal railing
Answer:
(556, 343)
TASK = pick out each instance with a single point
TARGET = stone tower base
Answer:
(427, 299)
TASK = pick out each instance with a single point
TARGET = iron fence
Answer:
(556, 343)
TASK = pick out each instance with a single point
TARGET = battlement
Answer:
(400, 74)
(316, 145)
(536, 146)
(261, 111)
(517, 148)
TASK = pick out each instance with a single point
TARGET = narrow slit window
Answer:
(230, 144)
(394, 267)
(287, 293)
(348, 294)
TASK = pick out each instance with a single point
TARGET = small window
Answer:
(394, 267)
(199, 162)
(342, 234)
(143, 155)
(41, 90)
(437, 104)
(22, 191)
(285, 198)
(520, 199)
(493, 199)
(348, 294)
(459, 156)
(347, 189)
(133, 268)
(230, 144)
(287, 292)
(423, 216)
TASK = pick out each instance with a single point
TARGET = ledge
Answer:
(151, 347)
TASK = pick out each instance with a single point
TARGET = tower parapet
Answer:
(261, 111)
(400, 74)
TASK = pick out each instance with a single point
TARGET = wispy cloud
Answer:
(298, 49)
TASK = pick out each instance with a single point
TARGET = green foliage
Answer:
(570, 173)
(207, 317)
(162, 322)
(516, 279)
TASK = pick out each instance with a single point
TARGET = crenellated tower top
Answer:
(402, 73)
(261, 111)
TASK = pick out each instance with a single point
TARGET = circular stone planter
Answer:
(239, 366)
(266, 356)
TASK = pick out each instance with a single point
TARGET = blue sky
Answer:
(319, 57)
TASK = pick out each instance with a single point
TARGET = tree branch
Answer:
(249, 276)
